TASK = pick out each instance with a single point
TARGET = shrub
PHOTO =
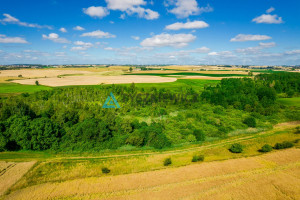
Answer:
(250, 122)
(37, 83)
(236, 148)
(167, 161)
(283, 145)
(200, 136)
(298, 130)
(191, 138)
(105, 170)
(266, 148)
(197, 158)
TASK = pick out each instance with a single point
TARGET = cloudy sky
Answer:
(256, 32)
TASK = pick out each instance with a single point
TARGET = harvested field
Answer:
(11, 172)
(94, 80)
(35, 73)
(206, 77)
(270, 176)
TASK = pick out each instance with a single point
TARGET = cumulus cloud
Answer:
(270, 10)
(255, 50)
(185, 8)
(187, 25)
(123, 5)
(19, 40)
(131, 7)
(176, 40)
(79, 28)
(293, 52)
(63, 30)
(97, 12)
(98, 34)
(81, 46)
(268, 19)
(244, 37)
(12, 20)
(55, 38)
(135, 37)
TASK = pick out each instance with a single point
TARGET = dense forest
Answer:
(72, 118)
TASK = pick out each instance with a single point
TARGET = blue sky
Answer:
(255, 32)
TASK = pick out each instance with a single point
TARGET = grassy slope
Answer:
(61, 168)
(10, 88)
(290, 101)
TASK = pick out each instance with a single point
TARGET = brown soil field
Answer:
(11, 172)
(94, 80)
(269, 176)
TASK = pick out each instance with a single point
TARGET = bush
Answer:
(250, 122)
(266, 148)
(236, 148)
(283, 145)
(197, 158)
(37, 83)
(105, 170)
(298, 130)
(167, 161)
(200, 136)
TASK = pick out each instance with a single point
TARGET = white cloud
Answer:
(5, 39)
(99, 11)
(185, 8)
(268, 19)
(213, 53)
(270, 10)
(176, 40)
(132, 7)
(187, 25)
(297, 51)
(81, 46)
(123, 5)
(98, 34)
(63, 30)
(12, 20)
(79, 28)
(243, 38)
(55, 38)
(256, 50)
(135, 37)
(267, 45)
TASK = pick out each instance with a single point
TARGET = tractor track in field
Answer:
(3, 171)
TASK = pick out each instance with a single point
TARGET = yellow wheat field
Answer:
(270, 176)
(11, 172)
(95, 80)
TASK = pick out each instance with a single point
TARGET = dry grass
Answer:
(11, 172)
(269, 176)
(94, 80)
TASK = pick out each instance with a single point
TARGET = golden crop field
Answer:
(95, 80)
(141, 174)
(11, 172)
(271, 176)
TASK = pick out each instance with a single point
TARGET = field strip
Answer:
(277, 127)
(12, 173)
(189, 182)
